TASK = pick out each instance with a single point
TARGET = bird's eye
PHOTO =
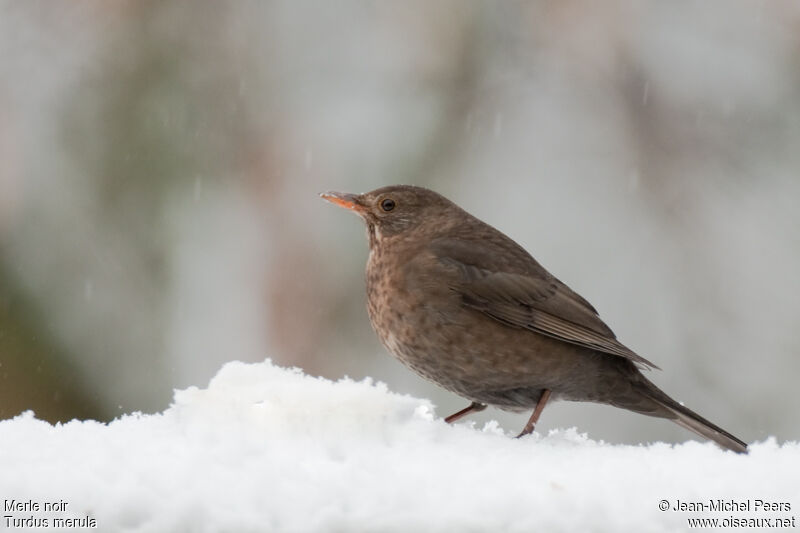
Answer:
(387, 204)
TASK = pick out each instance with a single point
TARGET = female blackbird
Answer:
(466, 307)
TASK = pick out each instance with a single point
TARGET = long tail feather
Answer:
(695, 423)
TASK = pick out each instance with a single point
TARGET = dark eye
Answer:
(387, 204)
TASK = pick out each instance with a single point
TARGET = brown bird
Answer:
(468, 308)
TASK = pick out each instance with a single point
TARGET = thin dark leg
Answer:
(474, 407)
(536, 412)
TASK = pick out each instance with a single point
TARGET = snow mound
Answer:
(266, 448)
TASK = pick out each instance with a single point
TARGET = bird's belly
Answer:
(471, 354)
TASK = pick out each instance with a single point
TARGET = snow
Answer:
(266, 448)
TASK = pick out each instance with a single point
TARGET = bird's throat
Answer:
(373, 235)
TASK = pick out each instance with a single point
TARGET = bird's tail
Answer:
(690, 420)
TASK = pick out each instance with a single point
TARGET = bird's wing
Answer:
(535, 300)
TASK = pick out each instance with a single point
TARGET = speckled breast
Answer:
(411, 322)
(404, 323)
(426, 326)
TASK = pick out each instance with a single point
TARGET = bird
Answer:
(466, 307)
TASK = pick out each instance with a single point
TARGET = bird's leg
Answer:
(473, 407)
(536, 412)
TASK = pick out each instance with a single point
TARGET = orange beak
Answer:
(342, 199)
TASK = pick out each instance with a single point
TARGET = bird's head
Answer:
(396, 209)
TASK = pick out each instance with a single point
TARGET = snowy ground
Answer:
(265, 448)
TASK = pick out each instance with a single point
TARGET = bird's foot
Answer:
(473, 407)
(528, 429)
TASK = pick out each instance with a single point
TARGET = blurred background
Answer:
(160, 164)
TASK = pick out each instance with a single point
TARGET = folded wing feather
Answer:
(535, 300)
